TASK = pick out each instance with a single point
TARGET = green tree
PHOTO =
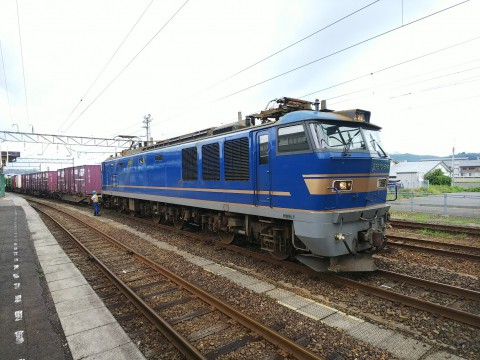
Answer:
(436, 177)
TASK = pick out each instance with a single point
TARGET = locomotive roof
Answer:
(287, 111)
(300, 115)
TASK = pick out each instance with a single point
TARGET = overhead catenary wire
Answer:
(403, 79)
(283, 49)
(340, 51)
(23, 65)
(369, 73)
(128, 64)
(391, 67)
(277, 52)
(6, 85)
(107, 63)
(289, 46)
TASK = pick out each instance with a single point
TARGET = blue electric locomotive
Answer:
(305, 183)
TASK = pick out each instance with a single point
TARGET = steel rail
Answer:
(453, 314)
(429, 249)
(457, 315)
(265, 332)
(440, 227)
(444, 288)
(434, 243)
(180, 343)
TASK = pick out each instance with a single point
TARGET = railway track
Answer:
(435, 247)
(155, 291)
(436, 227)
(433, 308)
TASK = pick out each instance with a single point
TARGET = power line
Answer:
(23, 66)
(399, 80)
(288, 46)
(281, 50)
(128, 64)
(6, 85)
(340, 51)
(390, 67)
(107, 63)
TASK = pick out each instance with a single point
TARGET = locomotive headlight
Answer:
(343, 185)
(381, 183)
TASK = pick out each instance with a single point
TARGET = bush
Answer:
(436, 177)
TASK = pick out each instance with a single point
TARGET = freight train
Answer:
(298, 180)
(74, 183)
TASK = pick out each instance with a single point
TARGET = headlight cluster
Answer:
(343, 185)
(381, 183)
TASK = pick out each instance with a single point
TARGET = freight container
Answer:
(17, 183)
(61, 186)
(87, 178)
(51, 181)
(23, 186)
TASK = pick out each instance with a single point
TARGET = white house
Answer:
(412, 174)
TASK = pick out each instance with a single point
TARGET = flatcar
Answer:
(305, 182)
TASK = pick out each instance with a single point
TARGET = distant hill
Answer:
(413, 157)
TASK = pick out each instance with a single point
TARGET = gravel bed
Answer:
(144, 335)
(413, 257)
(458, 338)
(432, 273)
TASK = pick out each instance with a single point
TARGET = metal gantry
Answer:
(15, 136)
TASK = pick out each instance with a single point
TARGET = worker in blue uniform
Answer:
(96, 206)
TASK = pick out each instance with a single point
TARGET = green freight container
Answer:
(2, 185)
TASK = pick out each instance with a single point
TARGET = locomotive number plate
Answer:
(380, 166)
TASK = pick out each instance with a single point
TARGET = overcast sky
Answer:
(419, 80)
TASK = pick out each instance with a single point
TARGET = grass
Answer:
(432, 190)
(432, 218)
(441, 234)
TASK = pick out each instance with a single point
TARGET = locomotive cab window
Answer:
(263, 149)
(334, 136)
(141, 160)
(292, 139)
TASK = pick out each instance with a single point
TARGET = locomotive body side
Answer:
(277, 185)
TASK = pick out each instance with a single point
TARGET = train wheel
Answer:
(157, 219)
(178, 224)
(279, 255)
(226, 237)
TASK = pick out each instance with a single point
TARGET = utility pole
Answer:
(453, 165)
(147, 119)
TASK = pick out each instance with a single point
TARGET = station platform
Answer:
(47, 308)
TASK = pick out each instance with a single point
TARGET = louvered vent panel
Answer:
(189, 164)
(211, 162)
(237, 159)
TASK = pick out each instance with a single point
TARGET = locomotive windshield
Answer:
(337, 137)
(329, 136)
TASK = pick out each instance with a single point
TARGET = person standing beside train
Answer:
(96, 206)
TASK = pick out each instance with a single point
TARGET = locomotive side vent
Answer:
(211, 162)
(189, 164)
(236, 159)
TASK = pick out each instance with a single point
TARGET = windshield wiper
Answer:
(346, 148)
(375, 144)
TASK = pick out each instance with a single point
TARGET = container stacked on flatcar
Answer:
(77, 183)
(70, 184)
(311, 184)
